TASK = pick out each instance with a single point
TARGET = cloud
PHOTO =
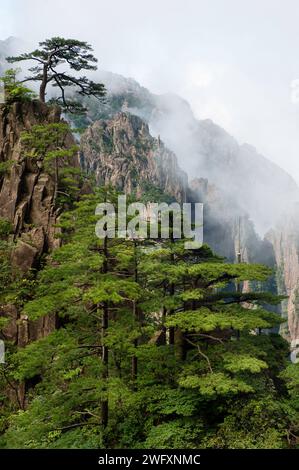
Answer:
(199, 75)
(234, 61)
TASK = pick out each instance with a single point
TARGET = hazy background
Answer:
(234, 61)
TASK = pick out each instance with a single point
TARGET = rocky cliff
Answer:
(26, 201)
(122, 152)
(227, 227)
(285, 241)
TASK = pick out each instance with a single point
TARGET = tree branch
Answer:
(201, 353)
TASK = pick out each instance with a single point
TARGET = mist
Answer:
(233, 63)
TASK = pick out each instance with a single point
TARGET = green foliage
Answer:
(75, 56)
(255, 423)
(5, 228)
(151, 193)
(154, 334)
(5, 166)
(14, 90)
(44, 140)
(48, 145)
(215, 384)
(6, 271)
(176, 434)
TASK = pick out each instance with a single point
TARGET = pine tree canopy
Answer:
(54, 60)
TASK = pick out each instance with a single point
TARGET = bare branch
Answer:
(201, 353)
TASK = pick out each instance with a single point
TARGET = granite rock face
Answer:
(122, 152)
(228, 229)
(285, 241)
(26, 201)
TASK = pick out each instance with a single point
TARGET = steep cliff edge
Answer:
(26, 201)
(228, 229)
(285, 241)
(122, 152)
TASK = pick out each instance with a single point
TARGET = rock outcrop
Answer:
(122, 152)
(228, 229)
(26, 201)
(285, 241)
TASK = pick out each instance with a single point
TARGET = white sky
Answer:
(233, 60)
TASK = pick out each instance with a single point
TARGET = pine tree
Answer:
(76, 56)
(47, 145)
(109, 376)
(14, 90)
(214, 363)
(87, 284)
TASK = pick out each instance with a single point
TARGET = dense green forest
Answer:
(154, 346)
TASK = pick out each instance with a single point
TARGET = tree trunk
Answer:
(134, 364)
(55, 181)
(105, 352)
(172, 292)
(105, 357)
(163, 335)
(43, 86)
(171, 328)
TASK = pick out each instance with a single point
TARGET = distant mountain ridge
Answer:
(263, 190)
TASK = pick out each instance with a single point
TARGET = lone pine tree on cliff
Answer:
(71, 53)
